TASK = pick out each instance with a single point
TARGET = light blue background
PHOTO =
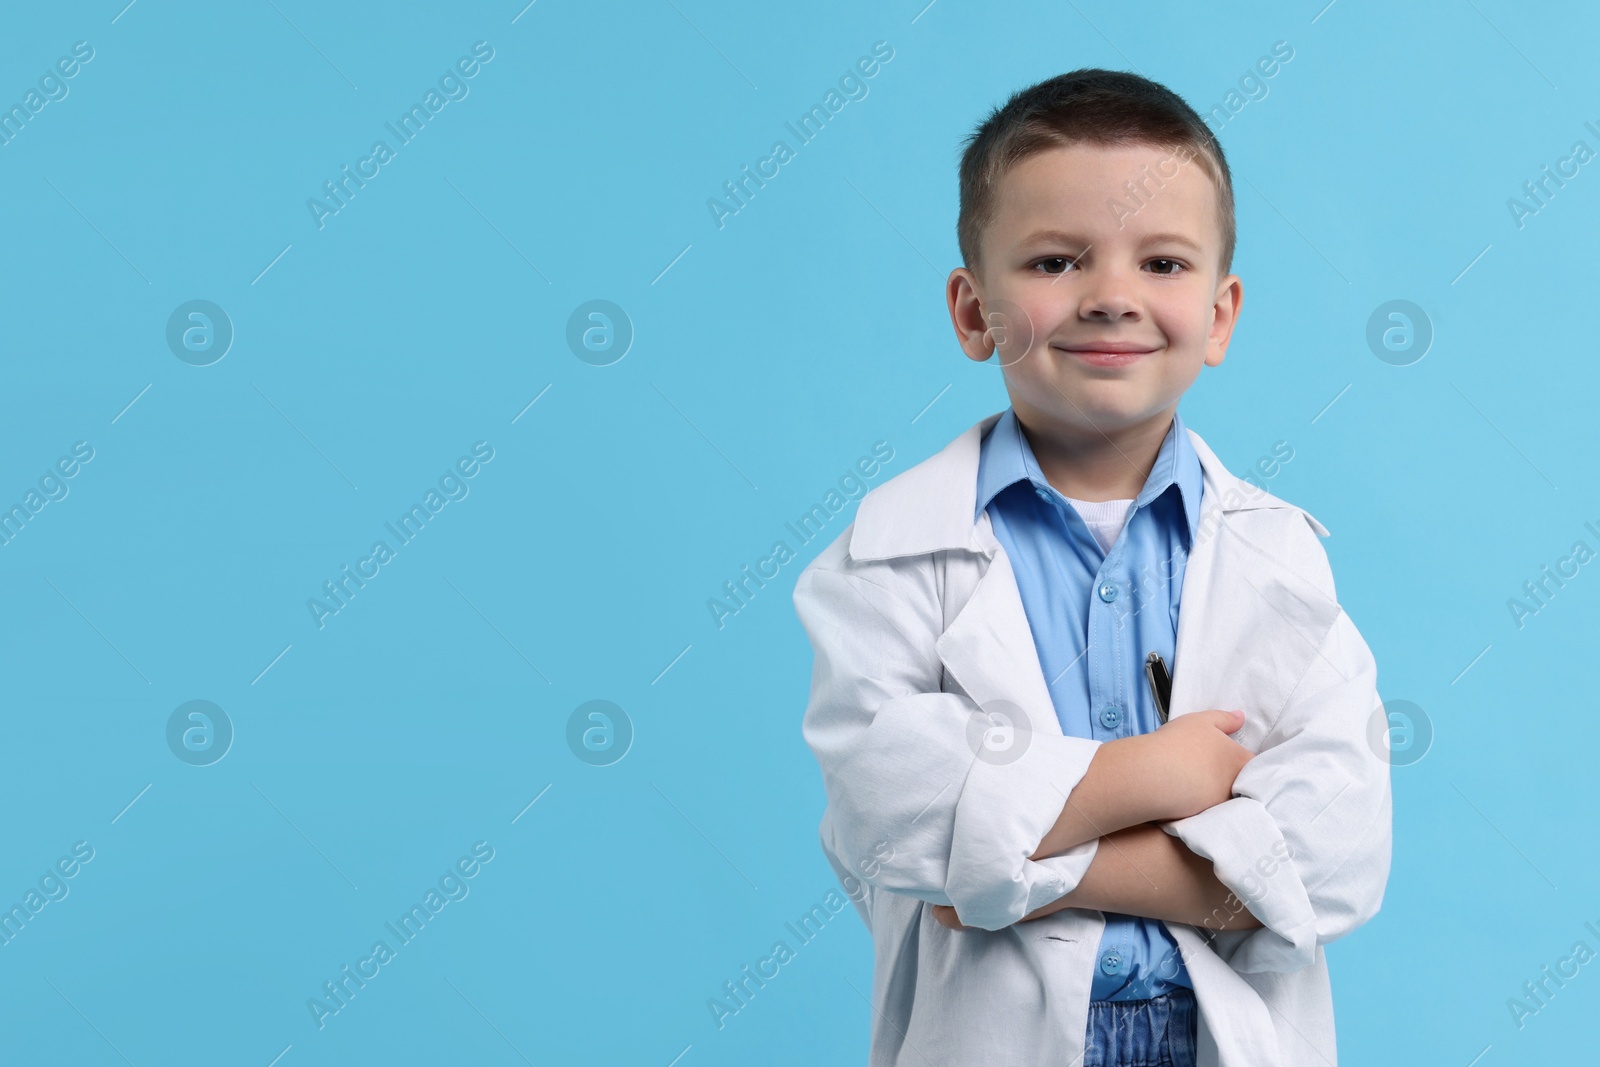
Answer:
(772, 354)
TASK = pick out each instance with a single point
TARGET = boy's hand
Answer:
(1177, 770)
(1200, 760)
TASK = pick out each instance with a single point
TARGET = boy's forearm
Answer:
(1118, 790)
(1143, 870)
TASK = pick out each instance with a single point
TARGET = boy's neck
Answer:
(1095, 465)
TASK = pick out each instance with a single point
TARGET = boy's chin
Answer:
(1090, 418)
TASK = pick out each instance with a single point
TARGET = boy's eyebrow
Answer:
(1063, 237)
(1053, 237)
(1172, 238)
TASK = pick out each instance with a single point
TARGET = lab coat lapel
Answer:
(1248, 625)
(989, 647)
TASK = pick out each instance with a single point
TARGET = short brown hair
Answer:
(1103, 107)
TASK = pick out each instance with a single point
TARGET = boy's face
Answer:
(1073, 265)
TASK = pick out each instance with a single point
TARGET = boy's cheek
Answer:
(1013, 328)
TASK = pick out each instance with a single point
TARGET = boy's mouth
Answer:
(1109, 353)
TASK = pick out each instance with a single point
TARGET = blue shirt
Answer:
(1094, 616)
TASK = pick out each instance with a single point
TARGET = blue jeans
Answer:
(1159, 1032)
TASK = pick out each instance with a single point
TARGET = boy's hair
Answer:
(1102, 107)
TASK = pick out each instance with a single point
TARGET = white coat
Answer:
(915, 620)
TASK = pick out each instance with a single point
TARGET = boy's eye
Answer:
(1173, 265)
(1054, 264)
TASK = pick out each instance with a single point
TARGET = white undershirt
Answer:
(1103, 517)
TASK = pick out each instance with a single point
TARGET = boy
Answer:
(1059, 863)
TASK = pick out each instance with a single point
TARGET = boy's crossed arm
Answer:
(1302, 835)
(912, 811)
(1138, 869)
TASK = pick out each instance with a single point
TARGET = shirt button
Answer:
(1110, 717)
(1111, 963)
(1108, 591)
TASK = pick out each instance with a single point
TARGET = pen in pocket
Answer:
(1155, 672)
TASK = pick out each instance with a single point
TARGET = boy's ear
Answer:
(1224, 316)
(966, 315)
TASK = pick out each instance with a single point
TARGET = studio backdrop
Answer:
(414, 418)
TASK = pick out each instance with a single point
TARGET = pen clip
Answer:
(1155, 672)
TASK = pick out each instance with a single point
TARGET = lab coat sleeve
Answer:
(1305, 840)
(910, 807)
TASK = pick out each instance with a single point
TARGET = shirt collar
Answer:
(1005, 458)
(928, 507)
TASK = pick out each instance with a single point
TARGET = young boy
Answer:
(1059, 861)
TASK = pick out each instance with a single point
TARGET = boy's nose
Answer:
(1108, 296)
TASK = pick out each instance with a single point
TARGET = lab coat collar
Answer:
(929, 508)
